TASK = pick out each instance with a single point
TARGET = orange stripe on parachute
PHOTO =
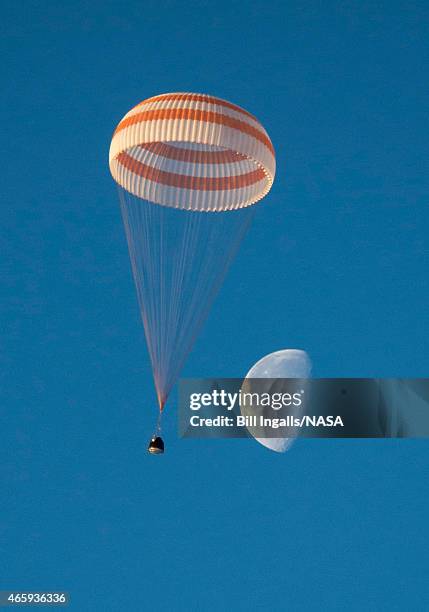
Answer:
(198, 98)
(196, 115)
(190, 182)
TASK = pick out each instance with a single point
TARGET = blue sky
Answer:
(336, 263)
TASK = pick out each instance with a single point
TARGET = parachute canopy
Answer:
(179, 158)
(193, 152)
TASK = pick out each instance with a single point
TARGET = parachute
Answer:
(188, 167)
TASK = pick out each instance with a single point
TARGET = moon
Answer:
(286, 363)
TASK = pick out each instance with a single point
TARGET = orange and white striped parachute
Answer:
(193, 152)
(196, 154)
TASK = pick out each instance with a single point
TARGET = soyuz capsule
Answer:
(156, 446)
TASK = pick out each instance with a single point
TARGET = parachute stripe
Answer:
(189, 182)
(189, 114)
(206, 105)
(189, 97)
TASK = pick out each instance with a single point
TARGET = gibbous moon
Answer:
(287, 363)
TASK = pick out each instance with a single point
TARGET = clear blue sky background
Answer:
(336, 263)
